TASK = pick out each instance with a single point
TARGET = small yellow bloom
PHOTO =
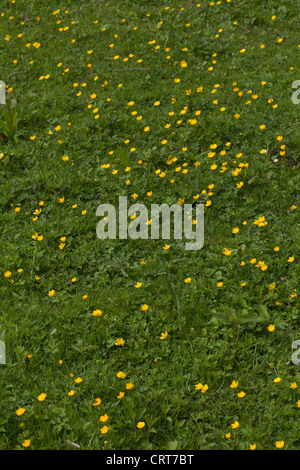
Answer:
(103, 418)
(97, 313)
(164, 335)
(121, 375)
(97, 402)
(120, 342)
(42, 397)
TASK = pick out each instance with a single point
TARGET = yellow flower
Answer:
(120, 342)
(7, 274)
(252, 447)
(293, 386)
(104, 418)
(241, 394)
(234, 384)
(121, 375)
(26, 443)
(228, 435)
(78, 380)
(199, 386)
(42, 397)
(277, 380)
(121, 395)
(183, 64)
(51, 293)
(71, 393)
(271, 328)
(97, 402)
(187, 280)
(279, 444)
(140, 424)
(20, 411)
(144, 307)
(104, 430)
(129, 386)
(138, 285)
(235, 425)
(164, 335)
(97, 313)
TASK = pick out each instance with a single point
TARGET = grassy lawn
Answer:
(141, 344)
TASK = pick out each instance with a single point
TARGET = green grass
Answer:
(216, 335)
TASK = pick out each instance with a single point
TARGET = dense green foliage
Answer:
(163, 102)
